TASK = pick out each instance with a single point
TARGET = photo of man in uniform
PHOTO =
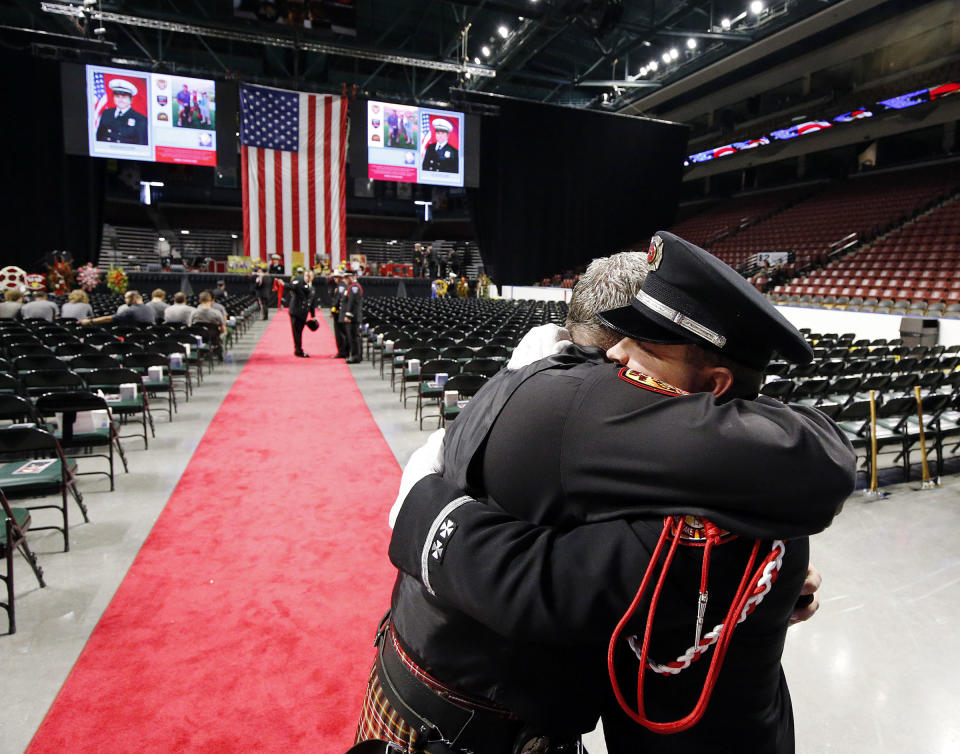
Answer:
(441, 156)
(121, 123)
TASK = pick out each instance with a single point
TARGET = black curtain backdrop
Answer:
(560, 186)
(51, 201)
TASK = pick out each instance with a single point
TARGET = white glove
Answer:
(427, 459)
(539, 343)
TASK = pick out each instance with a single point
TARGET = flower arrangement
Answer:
(117, 280)
(88, 277)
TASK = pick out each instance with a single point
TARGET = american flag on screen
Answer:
(100, 90)
(293, 159)
(424, 134)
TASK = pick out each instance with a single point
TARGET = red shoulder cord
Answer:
(738, 607)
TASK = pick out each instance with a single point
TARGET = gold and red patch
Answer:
(649, 383)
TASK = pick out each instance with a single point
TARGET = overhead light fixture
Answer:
(725, 24)
(643, 71)
(233, 235)
(486, 51)
(665, 57)
(477, 61)
(756, 7)
(503, 31)
(691, 44)
(184, 232)
(674, 53)
(652, 65)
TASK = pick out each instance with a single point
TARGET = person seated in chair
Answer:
(136, 313)
(207, 312)
(40, 308)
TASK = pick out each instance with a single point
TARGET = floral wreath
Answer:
(117, 280)
(88, 277)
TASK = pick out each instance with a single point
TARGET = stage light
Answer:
(359, 240)
(233, 235)
(674, 53)
(643, 71)
(652, 65)
(476, 61)
(691, 44)
(725, 24)
(503, 31)
(756, 7)
(486, 51)
(184, 232)
(469, 75)
(665, 57)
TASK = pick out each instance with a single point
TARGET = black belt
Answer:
(446, 725)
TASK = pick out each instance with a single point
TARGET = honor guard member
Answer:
(121, 123)
(576, 454)
(302, 305)
(441, 156)
(350, 316)
(339, 328)
(276, 265)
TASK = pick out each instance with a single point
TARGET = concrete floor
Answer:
(875, 671)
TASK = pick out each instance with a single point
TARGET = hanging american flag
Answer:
(293, 159)
(100, 91)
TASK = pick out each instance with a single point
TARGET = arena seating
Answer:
(914, 268)
(65, 364)
(844, 372)
(865, 206)
(450, 335)
(736, 213)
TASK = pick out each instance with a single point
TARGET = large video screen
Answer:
(414, 144)
(155, 117)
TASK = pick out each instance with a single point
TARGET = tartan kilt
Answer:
(378, 719)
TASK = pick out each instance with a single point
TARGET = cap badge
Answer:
(655, 252)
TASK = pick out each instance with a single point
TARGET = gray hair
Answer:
(609, 282)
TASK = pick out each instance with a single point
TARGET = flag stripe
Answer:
(294, 180)
(262, 195)
(327, 118)
(342, 157)
(294, 171)
(278, 202)
(245, 192)
(313, 101)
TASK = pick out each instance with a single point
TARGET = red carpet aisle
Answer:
(246, 622)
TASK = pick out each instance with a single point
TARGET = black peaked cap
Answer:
(690, 296)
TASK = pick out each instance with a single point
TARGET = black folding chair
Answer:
(465, 386)
(85, 442)
(41, 469)
(14, 523)
(114, 383)
(41, 382)
(428, 388)
(141, 363)
(779, 389)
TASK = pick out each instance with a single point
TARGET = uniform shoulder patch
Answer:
(649, 383)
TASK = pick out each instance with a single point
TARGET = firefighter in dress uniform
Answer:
(441, 156)
(350, 315)
(302, 306)
(509, 604)
(121, 123)
(339, 329)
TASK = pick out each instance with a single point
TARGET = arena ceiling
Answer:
(605, 54)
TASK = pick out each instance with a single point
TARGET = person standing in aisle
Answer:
(339, 290)
(302, 305)
(350, 316)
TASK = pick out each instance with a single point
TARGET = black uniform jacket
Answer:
(352, 303)
(443, 160)
(302, 298)
(129, 128)
(524, 597)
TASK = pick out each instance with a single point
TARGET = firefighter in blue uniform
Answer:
(510, 603)
(441, 156)
(121, 123)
